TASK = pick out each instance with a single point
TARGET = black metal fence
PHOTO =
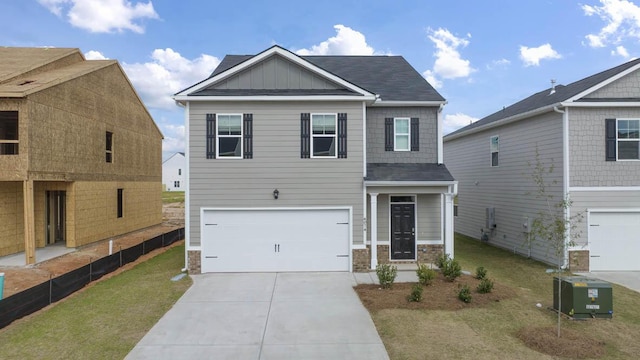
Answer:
(35, 298)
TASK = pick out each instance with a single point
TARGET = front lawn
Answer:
(169, 197)
(104, 321)
(493, 330)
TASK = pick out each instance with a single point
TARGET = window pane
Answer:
(494, 159)
(8, 125)
(229, 146)
(628, 150)
(323, 124)
(324, 146)
(634, 129)
(8, 149)
(402, 142)
(229, 125)
(402, 126)
(495, 144)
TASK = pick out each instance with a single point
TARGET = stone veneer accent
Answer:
(361, 260)
(427, 254)
(193, 256)
(579, 260)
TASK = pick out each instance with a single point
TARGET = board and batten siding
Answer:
(428, 138)
(276, 163)
(587, 149)
(508, 188)
(276, 72)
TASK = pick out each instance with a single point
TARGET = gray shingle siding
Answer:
(428, 135)
(625, 87)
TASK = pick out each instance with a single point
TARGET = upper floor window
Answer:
(8, 133)
(323, 133)
(628, 138)
(109, 146)
(179, 171)
(494, 145)
(402, 134)
(229, 136)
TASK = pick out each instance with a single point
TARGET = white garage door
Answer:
(614, 241)
(275, 240)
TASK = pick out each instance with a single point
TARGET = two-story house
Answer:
(173, 170)
(588, 131)
(314, 163)
(80, 156)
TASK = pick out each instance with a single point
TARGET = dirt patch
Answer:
(571, 344)
(440, 295)
(21, 278)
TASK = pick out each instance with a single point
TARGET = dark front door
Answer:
(56, 216)
(403, 238)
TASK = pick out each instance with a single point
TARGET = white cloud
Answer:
(620, 51)
(532, 56)
(500, 63)
(622, 20)
(94, 55)
(346, 42)
(167, 73)
(103, 16)
(173, 138)
(455, 121)
(449, 63)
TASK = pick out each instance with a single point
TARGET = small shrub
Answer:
(386, 275)
(425, 274)
(481, 273)
(441, 260)
(416, 293)
(485, 286)
(451, 269)
(465, 294)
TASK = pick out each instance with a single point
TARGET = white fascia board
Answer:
(410, 183)
(601, 104)
(604, 83)
(501, 122)
(185, 98)
(408, 103)
(265, 54)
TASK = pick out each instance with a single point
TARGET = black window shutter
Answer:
(211, 136)
(388, 134)
(415, 134)
(247, 151)
(342, 135)
(305, 135)
(610, 139)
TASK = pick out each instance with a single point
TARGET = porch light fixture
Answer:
(276, 193)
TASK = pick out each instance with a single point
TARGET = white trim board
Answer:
(603, 188)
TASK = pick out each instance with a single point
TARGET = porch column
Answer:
(29, 223)
(374, 230)
(448, 224)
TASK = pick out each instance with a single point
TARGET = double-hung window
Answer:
(402, 134)
(494, 146)
(229, 136)
(628, 139)
(8, 133)
(323, 133)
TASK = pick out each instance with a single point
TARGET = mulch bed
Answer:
(571, 344)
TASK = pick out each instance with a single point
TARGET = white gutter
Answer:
(565, 178)
(410, 183)
(275, 98)
(408, 103)
(601, 104)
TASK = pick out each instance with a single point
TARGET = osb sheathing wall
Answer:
(14, 167)
(11, 218)
(40, 210)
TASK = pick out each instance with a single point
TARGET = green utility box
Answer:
(583, 297)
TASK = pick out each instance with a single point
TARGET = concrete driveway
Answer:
(265, 316)
(628, 279)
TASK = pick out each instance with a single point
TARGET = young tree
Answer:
(552, 227)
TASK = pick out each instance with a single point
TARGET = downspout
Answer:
(565, 177)
(187, 191)
(440, 144)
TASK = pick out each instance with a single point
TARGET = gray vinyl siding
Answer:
(428, 219)
(276, 163)
(625, 87)
(509, 187)
(589, 200)
(275, 72)
(587, 144)
(428, 135)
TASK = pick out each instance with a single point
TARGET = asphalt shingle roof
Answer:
(407, 172)
(544, 98)
(391, 77)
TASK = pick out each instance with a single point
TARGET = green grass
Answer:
(488, 333)
(104, 321)
(169, 197)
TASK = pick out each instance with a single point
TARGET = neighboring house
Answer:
(589, 131)
(173, 170)
(314, 163)
(80, 156)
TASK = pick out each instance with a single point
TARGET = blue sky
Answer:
(480, 55)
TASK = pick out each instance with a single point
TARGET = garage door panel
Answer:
(614, 241)
(275, 240)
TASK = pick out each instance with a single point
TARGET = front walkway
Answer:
(265, 316)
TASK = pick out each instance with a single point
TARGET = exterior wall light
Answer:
(276, 193)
